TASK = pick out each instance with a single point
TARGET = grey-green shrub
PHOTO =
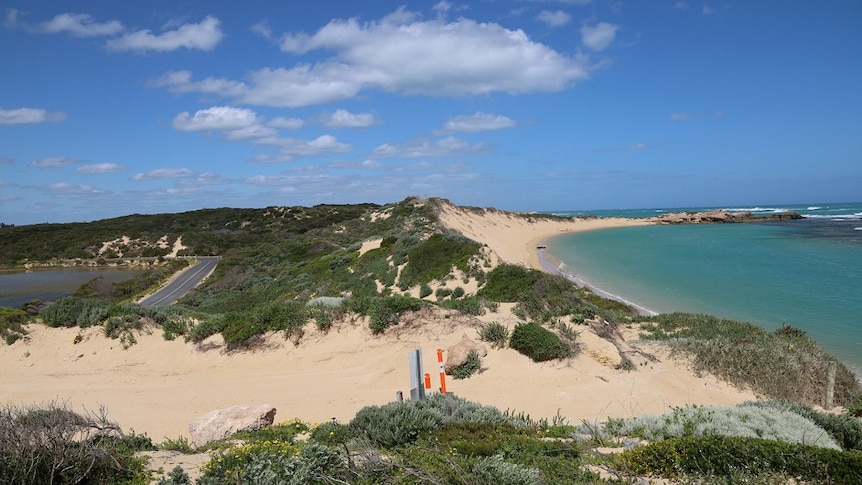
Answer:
(742, 421)
(495, 469)
(395, 423)
(845, 429)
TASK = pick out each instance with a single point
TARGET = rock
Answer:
(457, 354)
(221, 423)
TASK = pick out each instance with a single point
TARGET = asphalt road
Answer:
(183, 283)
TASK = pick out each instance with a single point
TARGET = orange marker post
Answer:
(427, 384)
(442, 371)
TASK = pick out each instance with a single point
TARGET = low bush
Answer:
(12, 323)
(396, 423)
(845, 430)
(277, 463)
(725, 456)
(53, 444)
(386, 312)
(434, 258)
(495, 333)
(785, 365)
(471, 305)
(75, 312)
(538, 343)
(332, 434)
(497, 470)
(472, 365)
(743, 421)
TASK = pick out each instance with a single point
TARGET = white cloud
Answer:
(707, 10)
(681, 116)
(399, 54)
(53, 162)
(215, 118)
(164, 173)
(344, 119)
(101, 168)
(29, 115)
(681, 6)
(295, 147)
(249, 132)
(554, 19)
(6, 161)
(599, 37)
(68, 188)
(79, 25)
(204, 35)
(478, 122)
(286, 123)
(446, 147)
(10, 20)
(262, 29)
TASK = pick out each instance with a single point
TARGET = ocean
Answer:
(805, 273)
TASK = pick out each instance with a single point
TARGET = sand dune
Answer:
(158, 387)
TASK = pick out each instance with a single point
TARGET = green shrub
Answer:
(386, 312)
(177, 476)
(458, 292)
(442, 293)
(434, 258)
(472, 365)
(853, 407)
(277, 463)
(495, 333)
(207, 328)
(538, 343)
(331, 434)
(724, 456)
(12, 323)
(424, 291)
(469, 306)
(509, 283)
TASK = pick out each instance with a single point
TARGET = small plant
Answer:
(424, 291)
(178, 476)
(495, 333)
(496, 469)
(538, 343)
(396, 423)
(472, 365)
(180, 444)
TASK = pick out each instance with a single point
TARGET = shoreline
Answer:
(552, 265)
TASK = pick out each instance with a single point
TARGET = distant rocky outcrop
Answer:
(722, 216)
(457, 354)
(221, 423)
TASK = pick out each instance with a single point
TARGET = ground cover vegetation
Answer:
(283, 268)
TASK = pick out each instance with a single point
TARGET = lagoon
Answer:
(17, 288)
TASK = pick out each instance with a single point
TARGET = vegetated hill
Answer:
(203, 232)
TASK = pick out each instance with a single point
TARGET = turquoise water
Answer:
(806, 273)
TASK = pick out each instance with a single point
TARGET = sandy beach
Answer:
(158, 387)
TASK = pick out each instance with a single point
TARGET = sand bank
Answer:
(158, 387)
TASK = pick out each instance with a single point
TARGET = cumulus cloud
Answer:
(29, 115)
(554, 19)
(53, 162)
(295, 147)
(216, 118)
(478, 122)
(344, 119)
(399, 54)
(164, 173)
(598, 37)
(286, 123)
(78, 25)
(446, 147)
(68, 188)
(101, 168)
(204, 36)
(250, 132)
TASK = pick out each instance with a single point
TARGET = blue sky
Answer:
(111, 108)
